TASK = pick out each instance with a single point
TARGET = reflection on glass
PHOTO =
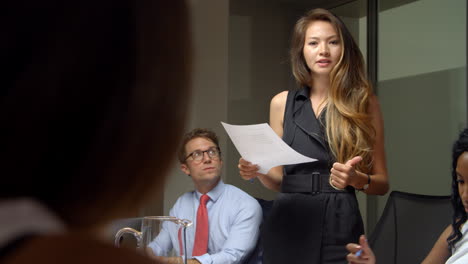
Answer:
(422, 90)
(151, 227)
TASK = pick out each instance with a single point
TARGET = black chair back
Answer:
(409, 227)
(256, 257)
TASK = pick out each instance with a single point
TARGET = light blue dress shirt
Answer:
(233, 218)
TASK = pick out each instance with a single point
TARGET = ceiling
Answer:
(350, 8)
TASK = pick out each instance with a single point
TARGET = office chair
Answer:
(256, 257)
(409, 226)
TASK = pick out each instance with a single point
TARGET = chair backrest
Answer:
(409, 226)
(256, 257)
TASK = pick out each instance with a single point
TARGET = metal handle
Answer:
(126, 230)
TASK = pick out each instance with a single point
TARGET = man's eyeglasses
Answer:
(198, 155)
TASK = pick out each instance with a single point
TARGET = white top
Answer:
(460, 253)
(26, 216)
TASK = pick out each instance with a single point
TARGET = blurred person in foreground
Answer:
(93, 102)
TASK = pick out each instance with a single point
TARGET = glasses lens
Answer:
(213, 153)
(197, 155)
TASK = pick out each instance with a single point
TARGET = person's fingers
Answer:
(352, 258)
(365, 246)
(247, 166)
(337, 182)
(338, 174)
(339, 166)
(353, 248)
(247, 175)
(338, 179)
(363, 241)
(343, 174)
(352, 162)
(342, 170)
(247, 170)
(360, 253)
(244, 162)
(250, 168)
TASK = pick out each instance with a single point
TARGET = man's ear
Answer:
(184, 168)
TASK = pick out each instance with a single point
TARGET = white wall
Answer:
(258, 69)
(210, 83)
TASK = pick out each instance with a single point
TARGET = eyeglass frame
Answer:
(203, 154)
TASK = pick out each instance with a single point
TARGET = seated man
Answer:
(225, 219)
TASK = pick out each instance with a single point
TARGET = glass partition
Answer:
(422, 90)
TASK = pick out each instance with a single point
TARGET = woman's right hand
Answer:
(247, 170)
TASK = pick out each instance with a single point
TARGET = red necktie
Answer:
(201, 232)
(181, 244)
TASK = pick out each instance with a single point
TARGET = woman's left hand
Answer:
(342, 175)
(360, 254)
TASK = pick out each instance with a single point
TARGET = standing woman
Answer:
(335, 118)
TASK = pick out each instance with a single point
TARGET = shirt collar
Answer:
(301, 97)
(303, 94)
(215, 193)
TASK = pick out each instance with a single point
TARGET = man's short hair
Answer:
(195, 133)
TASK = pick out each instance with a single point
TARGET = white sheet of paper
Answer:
(260, 145)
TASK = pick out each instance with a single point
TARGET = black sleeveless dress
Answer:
(310, 221)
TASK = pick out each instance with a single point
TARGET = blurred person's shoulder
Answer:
(71, 249)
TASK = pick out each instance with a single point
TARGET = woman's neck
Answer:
(319, 86)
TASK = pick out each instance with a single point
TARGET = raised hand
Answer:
(247, 170)
(342, 175)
